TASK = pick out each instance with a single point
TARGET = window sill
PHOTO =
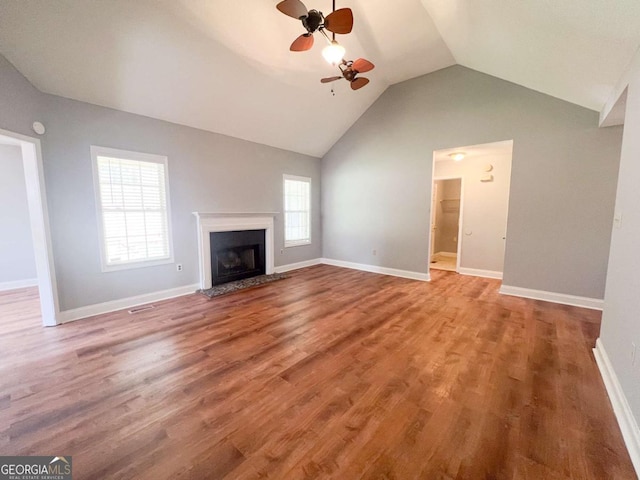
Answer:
(132, 265)
(297, 244)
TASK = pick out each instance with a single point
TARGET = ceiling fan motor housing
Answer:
(313, 20)
(349, 73)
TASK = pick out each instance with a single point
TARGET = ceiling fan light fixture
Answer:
(333, 53)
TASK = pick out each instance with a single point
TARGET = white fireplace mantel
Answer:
(231, 222)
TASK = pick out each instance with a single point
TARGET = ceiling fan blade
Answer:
(340, 21)
(361, 65)
(359, 83)
(330, 79)
(302, 43)
(293, 8)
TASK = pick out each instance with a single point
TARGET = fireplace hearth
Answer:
(237, 255)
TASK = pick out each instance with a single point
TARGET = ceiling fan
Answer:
(350, 69)
(338, 21)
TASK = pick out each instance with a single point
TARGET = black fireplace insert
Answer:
(237, 255)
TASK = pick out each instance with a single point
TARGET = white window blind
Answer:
(133, 208)
(297, 210)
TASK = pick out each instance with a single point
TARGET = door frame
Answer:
(460, 217)
(39, 220)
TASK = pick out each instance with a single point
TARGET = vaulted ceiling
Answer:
(225, 66)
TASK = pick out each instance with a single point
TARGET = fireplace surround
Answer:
(231, 222)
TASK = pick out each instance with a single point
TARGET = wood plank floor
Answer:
(332, 373)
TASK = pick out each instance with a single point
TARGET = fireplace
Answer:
(237, 255)
(208, 223)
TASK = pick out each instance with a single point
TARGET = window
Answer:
(297, 211)
(133, 208)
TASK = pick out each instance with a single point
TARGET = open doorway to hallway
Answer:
(19, 306)
(469, 209)
(17, 258)
(27, 260)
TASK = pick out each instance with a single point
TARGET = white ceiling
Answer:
(575, 50)
(225, 66)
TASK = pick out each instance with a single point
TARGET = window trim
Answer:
(97, 151)
(295, 243)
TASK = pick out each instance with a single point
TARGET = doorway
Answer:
(471, 221)
(31, 157)
(445, 223)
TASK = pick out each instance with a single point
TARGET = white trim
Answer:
(447, 254)
(234, 214)
(297, 265)
(562, 298)
(621, 409)
(125, 303)
(297, 178)
(16, 284)
(425, 277)
(305, 241)
(128, 303)
(474, 272)
(97, 151)
(297, 243)
(40, 230)
(231, 222)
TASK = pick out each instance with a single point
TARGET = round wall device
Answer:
(38, 128)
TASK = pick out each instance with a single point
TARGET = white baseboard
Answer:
(425, 277)
(297, 265)
(480, 273)
(564, 299)
(621, 409)
(14, 285)
(124, 303)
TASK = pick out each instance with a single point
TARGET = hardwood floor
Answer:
(332, 373)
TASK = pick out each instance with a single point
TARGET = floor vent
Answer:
(141, 309)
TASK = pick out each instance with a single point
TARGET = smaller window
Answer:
(132, 199)
(297, 211)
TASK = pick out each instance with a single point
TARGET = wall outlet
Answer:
(281, 251)
(179, 267)
(374, 252)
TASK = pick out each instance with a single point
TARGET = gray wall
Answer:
(20, 102)
(485, 208)
(621, 320)
(377, 179)
(207, 172)
(17, 261)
